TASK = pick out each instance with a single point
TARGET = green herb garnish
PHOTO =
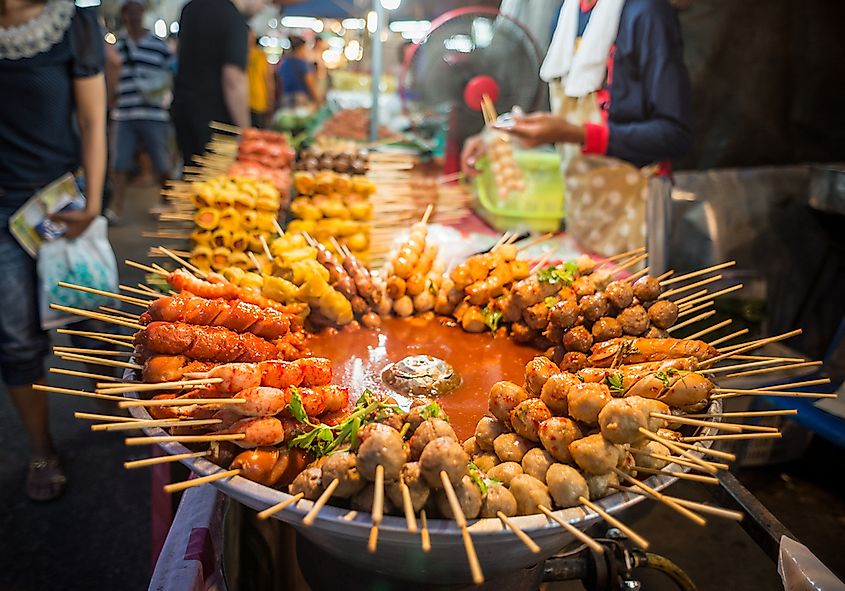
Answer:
(666, 375)
(564, 273)
(615, 382)
(491, 318)
(550, 301)
(477, 478)
(433, 411)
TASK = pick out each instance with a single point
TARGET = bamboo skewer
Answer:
(574, 531)
(628, 264)
(700, 507)
(692, 320)
(678, 290)
(147, 292)
(83, 394)
(535, 241)
(769, 358)
(772, 393)
(97, 316)
(706, 451)
(145, 268)
(715, 294)
(97, 361)
(706, 331)
(461, 521)
(407, 505)
(60, 349)
(754, 372)
(632, 535)
(729, 337)
(729, 368)
(180, 486)
(425, 539)
(750, 413)
(698, 273)
(786, 386)
(164, 459)
(689, 311)
(698, 423)
(120, 313)
(88, 333)
(377, 512)
(100, 417)
(309, 518)
(116, 296)
(84, 374)
(708, 467)
(675, 460)
(523, 537)
(270, 511)
(777, 435)
(623, 255)
(155, 423)
(754, 345)
(178, 402)
(682, 301)
(101, 339)
(679, 475)
(112, 388)
(184, 438)
(637, 275)
(658, 496)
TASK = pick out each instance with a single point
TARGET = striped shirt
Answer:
(146, 65)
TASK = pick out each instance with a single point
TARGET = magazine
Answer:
(31, 226)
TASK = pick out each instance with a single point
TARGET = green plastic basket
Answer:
(539, 208)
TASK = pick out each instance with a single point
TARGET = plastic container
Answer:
(538, 207)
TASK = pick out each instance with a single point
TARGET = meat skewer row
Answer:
(353, 280)
(309, 371)
(236, 315)
(641, 350)
(217, 286)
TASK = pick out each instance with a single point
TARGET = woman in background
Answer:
(53, 120)
(297, 78)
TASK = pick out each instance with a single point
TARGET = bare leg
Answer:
(118, 191)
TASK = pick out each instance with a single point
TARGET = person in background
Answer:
(321, 72)
(139, 114)
(211, 80)
(53, 120)
(262, 84)
(297, 78)
(621, 108)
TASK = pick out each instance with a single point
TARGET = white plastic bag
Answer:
(86, 260)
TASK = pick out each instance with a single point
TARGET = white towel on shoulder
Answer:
(582, 71)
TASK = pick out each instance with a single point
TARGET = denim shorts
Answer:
(152, 136)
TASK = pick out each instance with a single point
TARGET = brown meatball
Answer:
(620, 421)
(564, 314)
(536, 462)
(471, 446)
(594, 454)
(586, 401)
(485, 460)
(444, 454)
(579, 339)
(510, 447)
(647, 289)
(416, 484)
(555, 335)
(537, 372)
(656, 333)
(384, 448)
(574, 361)
(601, 485)
(536, 316)
(527, 416)
(648, 406)
(663, 313)
(343, 466)
(427, 432)
(583, 286)
(309, 482)
(652, 448)
(529, 493)
(497, 499)
(555, 390)
(593, 307)
(556, 353)
(503, 398)
(634, 320)
(363, 501)
(505, 472)
(469, 498)
(620, 294)
(522, 333)
(370, 429)
(415, 413)
(566, 485)
(606, 328)
(556, 434)
(487, 430)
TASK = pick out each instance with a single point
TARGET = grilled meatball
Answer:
(427, 432)
(536, 462)
(586, 264)
(416, 486)
(564, 314)
(634, 320)
(627, 463)
(574, 361)
(415, 416)
(485, 460)
(579, 339)
(498, 498)
(620, 421)
(505, 472)
(522, 334)
(648, 406)
(594, 454)
(652, 448)
(536, 316)
(503, 398)
(620, 294)
(537, 372)
(444, 454)
(593, 307)
(663, 313)
(363, 501)
(370, 429)
(487, 430)
(527, 416)
(583, 286)
(510, 447)
(555, 390)
(656, 333)
(647, 289)
(383, 448)
(606, 328)
(309, 482)
(529, 494)
(343, 466)
(469, 498)
(556, 434)
(586, 400)
(566, 484)
(601, 485)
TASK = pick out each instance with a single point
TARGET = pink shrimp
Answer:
(314, 371)
(259, 431)
(265, 401)
(181, 280)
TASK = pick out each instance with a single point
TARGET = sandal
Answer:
(45, 480)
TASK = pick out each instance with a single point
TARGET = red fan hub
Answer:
(476, 88)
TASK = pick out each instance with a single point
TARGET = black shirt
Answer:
(212, 33)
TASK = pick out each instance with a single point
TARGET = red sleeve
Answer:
(596, 138)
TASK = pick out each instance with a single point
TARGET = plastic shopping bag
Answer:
(87, 260)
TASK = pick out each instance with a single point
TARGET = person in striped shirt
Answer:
(139, 113)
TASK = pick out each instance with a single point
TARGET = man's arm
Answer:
(236, 94)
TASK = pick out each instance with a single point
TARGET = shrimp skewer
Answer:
(311, 371)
